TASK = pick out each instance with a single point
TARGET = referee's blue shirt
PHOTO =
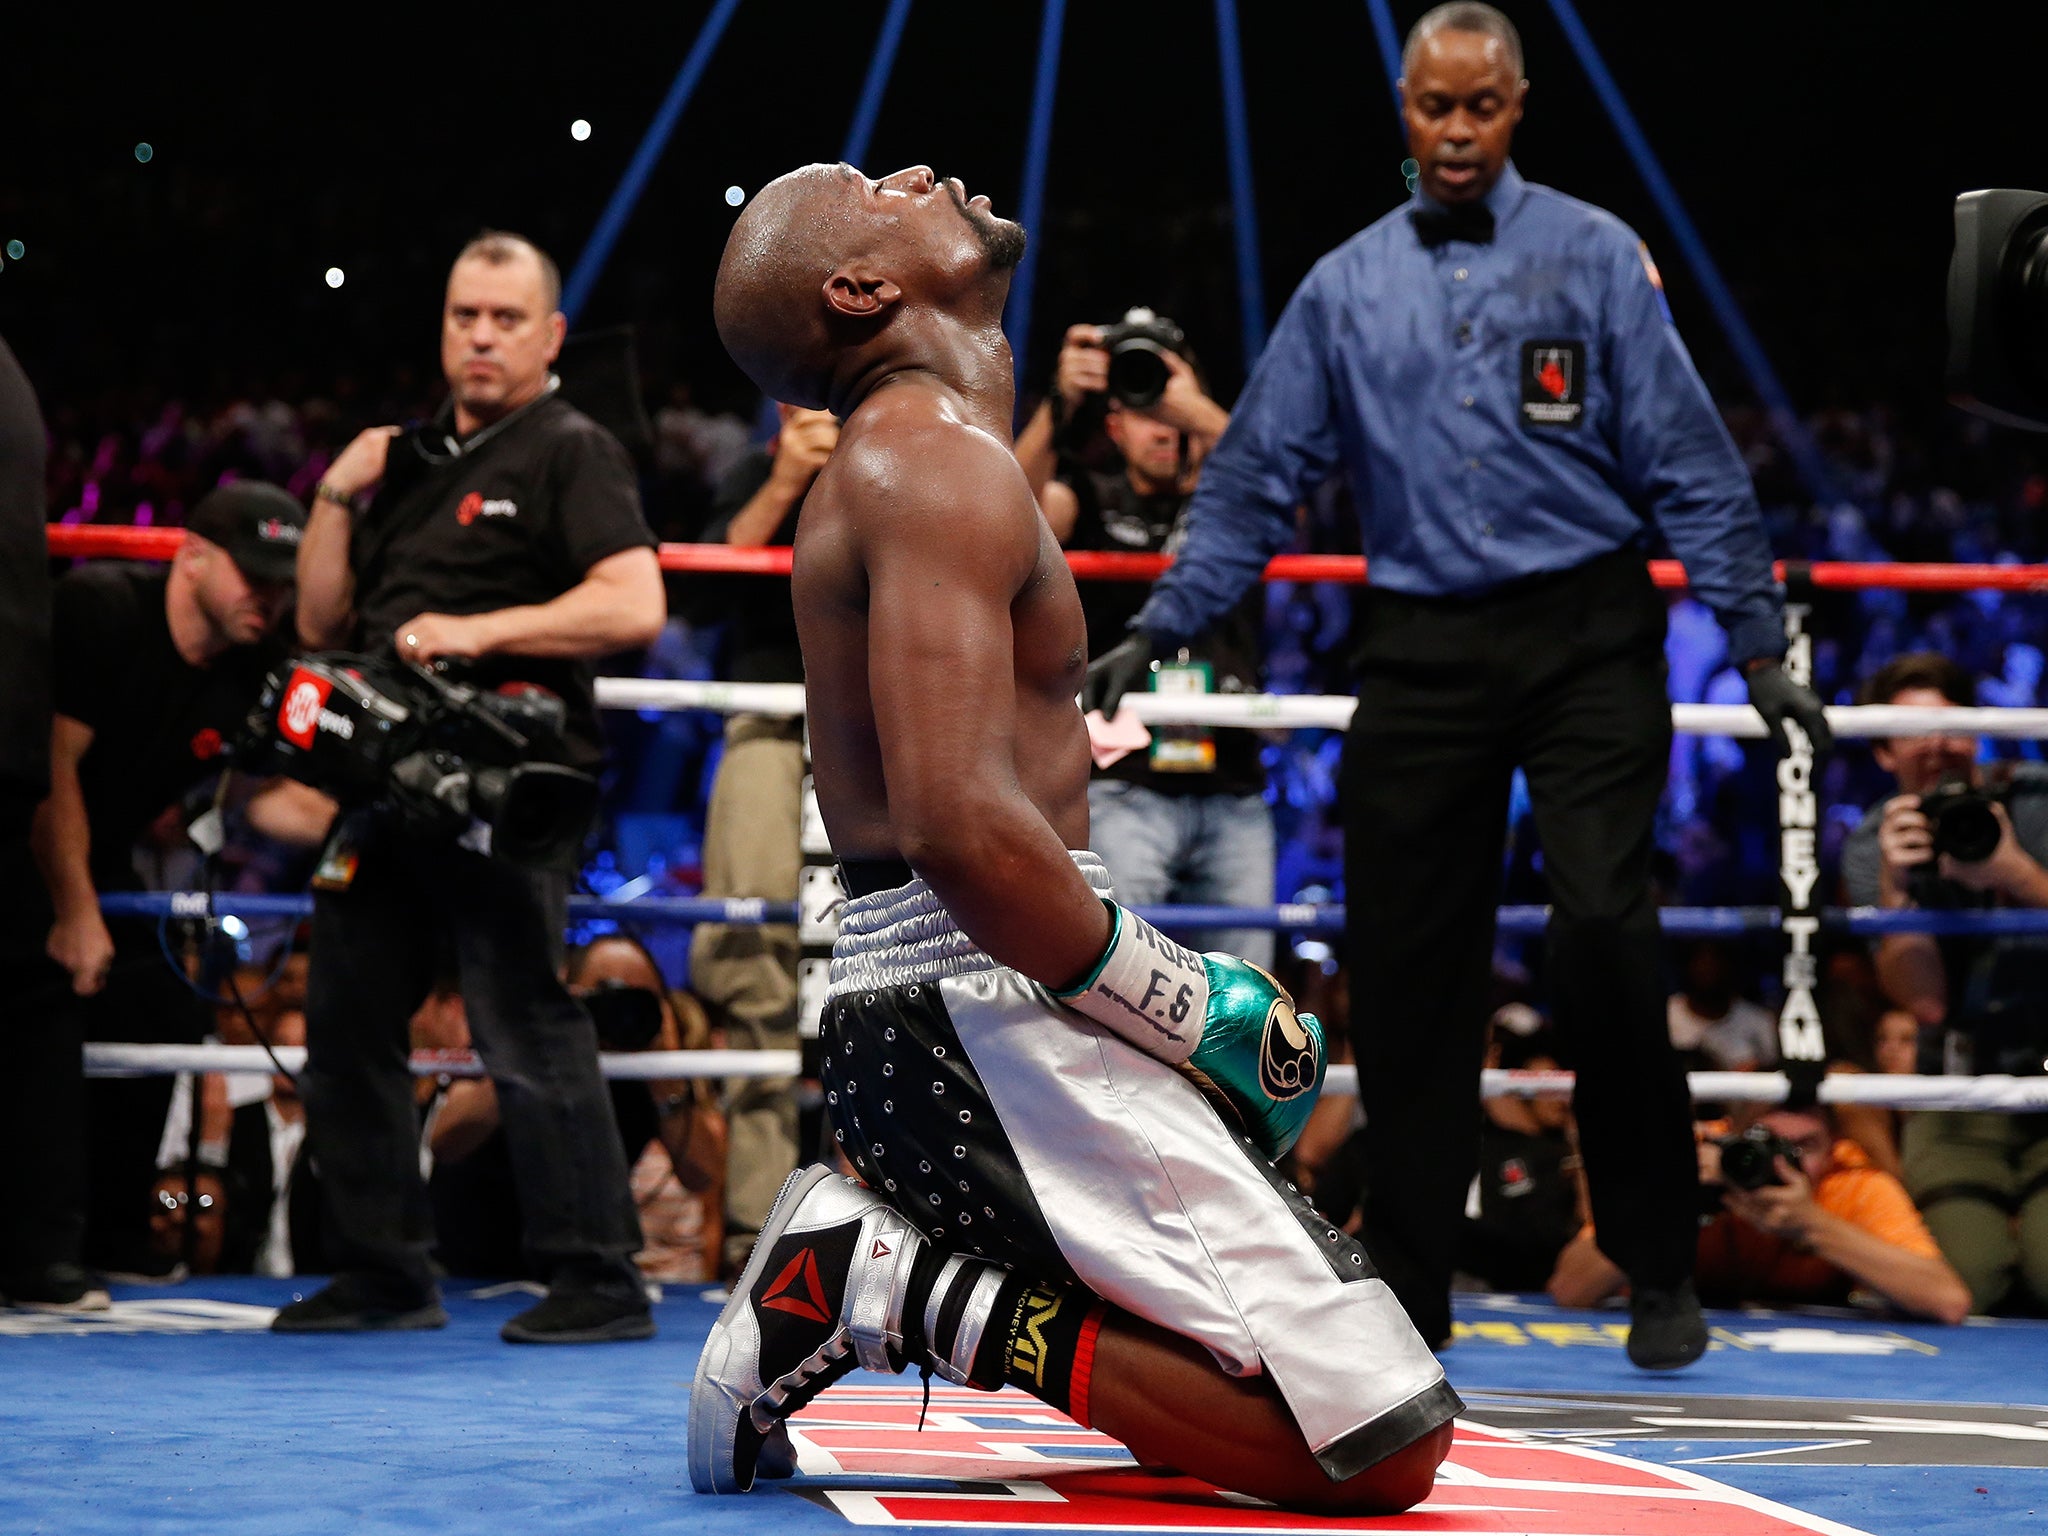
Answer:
(1504, 410)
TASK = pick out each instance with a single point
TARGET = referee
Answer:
(1495, 367)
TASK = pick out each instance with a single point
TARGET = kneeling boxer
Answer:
(1027, 1076)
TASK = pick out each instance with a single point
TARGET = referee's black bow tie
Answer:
(1455, 221)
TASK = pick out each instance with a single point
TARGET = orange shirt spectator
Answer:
(1737, 1259)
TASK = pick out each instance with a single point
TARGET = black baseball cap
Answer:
(258, 525)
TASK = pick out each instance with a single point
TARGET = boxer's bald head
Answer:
(828, 272)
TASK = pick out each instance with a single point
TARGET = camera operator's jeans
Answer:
(376, 947)
(1207, 850)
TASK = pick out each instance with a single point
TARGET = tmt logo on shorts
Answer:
(1553, 383)
(474, 506)
(298, 715)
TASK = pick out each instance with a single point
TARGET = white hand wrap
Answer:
(1150, 990)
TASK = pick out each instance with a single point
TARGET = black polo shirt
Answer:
(518, 518)
(158, 722)
(1113, 515)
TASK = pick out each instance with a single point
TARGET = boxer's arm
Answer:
(949, 536)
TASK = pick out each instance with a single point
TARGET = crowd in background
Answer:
(1952, 492)
(1960, 492)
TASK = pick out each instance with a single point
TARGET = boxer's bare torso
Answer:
(917, 539)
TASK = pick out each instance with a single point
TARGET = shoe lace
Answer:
(813, 1374)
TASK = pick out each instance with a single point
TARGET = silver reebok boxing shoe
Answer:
(823, 1291)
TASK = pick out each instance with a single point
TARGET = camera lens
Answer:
(1748, 1162)
(1967, 830)
(1137, 372)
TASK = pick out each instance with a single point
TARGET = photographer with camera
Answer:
(153, 669)
(507, 535)
(1803, 1218)
(1961, 836)
(1180, 817)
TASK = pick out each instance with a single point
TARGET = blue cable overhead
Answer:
(880, 65)
(612, 222)
(1031, 201)
(1251, 283)
(1390, 47)
(1748, 350)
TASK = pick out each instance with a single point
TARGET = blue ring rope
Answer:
(1678, 922)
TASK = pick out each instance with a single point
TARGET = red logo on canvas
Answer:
(298, 714)
(470, 508)
(1555, 381)
(1005, 1461)
(782, 1294)
(206, 745)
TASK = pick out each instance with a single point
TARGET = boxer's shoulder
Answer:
(910, 462)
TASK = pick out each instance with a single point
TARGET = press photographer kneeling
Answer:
(505, 539)
(1796, 1215)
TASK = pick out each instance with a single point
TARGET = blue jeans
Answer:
(1187, 849)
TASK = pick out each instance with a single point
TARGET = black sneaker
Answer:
(349, 1305)
(64, 1288)
(1666, 1331)
(580, 1317)
(824, 1290)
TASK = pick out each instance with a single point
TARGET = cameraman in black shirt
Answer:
(508, 539)
(1183, 819)
(154, 670)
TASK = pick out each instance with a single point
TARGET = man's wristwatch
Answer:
(325, 492)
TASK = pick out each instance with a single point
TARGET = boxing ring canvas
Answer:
(178, 1412)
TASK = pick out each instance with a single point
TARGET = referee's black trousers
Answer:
(1564, 676)
(375, 948)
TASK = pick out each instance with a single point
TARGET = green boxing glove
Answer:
(1221, 1020)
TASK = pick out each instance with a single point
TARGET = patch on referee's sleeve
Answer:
(1656, 279)
(1553, 383)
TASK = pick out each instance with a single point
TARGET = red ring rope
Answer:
(116, 541)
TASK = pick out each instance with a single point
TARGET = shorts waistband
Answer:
(893, 938)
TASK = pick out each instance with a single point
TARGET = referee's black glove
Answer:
(1116, 672)
(1778, 699)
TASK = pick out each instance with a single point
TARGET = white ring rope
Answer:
(1279, 711)
(114, 1059)
(2007, 1095)
(2011, 1095)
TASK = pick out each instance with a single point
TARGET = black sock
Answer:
(979, 1324)
(1041, 1337)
